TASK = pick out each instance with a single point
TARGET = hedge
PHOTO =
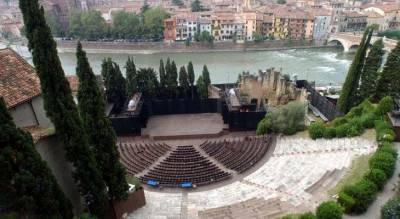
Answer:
(329, 210)
(356, 198)
(391, 209)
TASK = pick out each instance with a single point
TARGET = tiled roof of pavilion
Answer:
(18, 80)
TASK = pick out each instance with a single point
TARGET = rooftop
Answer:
(18, 80)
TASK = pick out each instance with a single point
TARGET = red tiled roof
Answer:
(18, 80)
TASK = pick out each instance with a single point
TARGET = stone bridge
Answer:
(351, 41)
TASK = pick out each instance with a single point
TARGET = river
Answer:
(324, 66)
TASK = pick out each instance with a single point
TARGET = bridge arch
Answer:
(344, 43)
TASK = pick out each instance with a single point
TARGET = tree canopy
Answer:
(114, 83)
(88, 25)
(131, 78)
(196, 6)
(100, 132)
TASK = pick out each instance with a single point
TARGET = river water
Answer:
(324, 66)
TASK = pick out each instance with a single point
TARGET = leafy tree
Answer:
(145, 7)
(204, 36)
(54, 23)
(287, 119)
(125, 25)
(369, 76)
(281, 2)
(389, 80)
(184, 80)
(258, 37)
(147, 81)
(206, 76)
(153, 21)
(202, 88)
(191, 77)
(131, 82)
(87, 25)
(27, 185)
(348, 97)
(196, 6)
(61, 109)
(329, 210)
(177, 2)
(100, 132)
(114, 83)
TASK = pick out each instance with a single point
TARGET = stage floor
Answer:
(184, 125)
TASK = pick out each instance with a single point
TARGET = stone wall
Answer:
(270, 88)
(52, 151)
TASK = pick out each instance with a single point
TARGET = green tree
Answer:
(258, 37)
(61, 109)
(153, 21)
(125, 25)
(369, 76)
(184, 80)
(177, 2)
(88, 25)
(100, 132)
(27, 185)
(348, 97)
(75, 28)
(196, 6)
(202, 88)
(329, 210)
(162, 73)
(206, 76)
(145, 7)
(389, 80)
(172, 78)
(148, 83)
(191, 77)
(54, 23)
(131, 82)
(114, 83)
(281, 2)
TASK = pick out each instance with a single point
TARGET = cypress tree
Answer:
(131, 83)
(191, 77)
(173, 79)
(27, 185)
(348, 97)
(61, 108)
(100, 132)
(115, 84)
(206, 76)
(184, 80)
(369, 76)
(162, 74)
(202, 88)
(389, 81)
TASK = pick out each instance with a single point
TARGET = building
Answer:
(170, 29)
(336, 12)
(355, 21)
(20, 88)
(374, 18)
(390, 11)
(322, 24)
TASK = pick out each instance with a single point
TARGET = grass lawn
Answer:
(354, 173)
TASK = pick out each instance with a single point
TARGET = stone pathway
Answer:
(374, 210)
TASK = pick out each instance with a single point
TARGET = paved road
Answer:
(374, 211)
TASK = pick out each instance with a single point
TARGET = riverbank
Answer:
(180, 47)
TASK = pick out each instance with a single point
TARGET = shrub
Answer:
(384, 131)
(329, 210)
(316, 130)
(339, 121)
(384, 161)
(388, 148)
(330, 132)
(346, 201)
(261, 127)
(342, 130)
(307, 215)
(391, 209)
(368, 120)
(363, 192)
(385, 105)
(355, 111)
(376, 176)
